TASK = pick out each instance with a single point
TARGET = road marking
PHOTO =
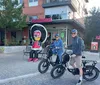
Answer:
(18, 77)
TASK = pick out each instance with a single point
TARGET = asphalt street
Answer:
(16, 70)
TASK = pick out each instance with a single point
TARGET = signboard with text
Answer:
(94, 46)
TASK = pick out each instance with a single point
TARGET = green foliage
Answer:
(11, 16)
(92, 24)
(1, 49)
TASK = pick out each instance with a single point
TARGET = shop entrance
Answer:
(52, 32)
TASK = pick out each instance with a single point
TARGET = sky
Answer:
(93, 3)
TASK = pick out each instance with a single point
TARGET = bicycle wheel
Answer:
(57, 71)
(43, 66)
(91, 73)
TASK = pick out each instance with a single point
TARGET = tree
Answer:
(11, 15)
(92, 24)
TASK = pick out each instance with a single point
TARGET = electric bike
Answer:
(90, 71)
(45, 63)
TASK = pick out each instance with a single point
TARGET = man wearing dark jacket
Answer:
(76, 59)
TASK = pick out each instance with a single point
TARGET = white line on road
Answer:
(22, 77)
(18, 77)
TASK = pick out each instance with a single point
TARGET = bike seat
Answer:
(83, 57)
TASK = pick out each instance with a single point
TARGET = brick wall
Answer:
(34, 10)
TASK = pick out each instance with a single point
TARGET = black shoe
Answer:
(53, 64)
(79, 82)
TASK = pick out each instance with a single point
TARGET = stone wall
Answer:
(11, 49)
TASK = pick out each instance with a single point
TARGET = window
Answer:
(33, 17)
(47, 1)
(47, 16)
(57, 16)
(21, 2)
(30, 1)
(33, 2)
(13, 34)
(54, 17)
(64, 16)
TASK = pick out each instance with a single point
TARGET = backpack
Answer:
(83, 45)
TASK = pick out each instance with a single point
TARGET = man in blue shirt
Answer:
(76, 59)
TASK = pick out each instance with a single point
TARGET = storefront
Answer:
(14, 37)
(62, 27)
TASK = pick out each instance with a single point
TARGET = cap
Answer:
(74, 31)
(56, 35)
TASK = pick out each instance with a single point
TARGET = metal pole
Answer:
(66, 37)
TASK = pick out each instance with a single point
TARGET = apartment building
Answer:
(58, 16)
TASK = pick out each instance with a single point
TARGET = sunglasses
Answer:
(56, 37)
(74, 33)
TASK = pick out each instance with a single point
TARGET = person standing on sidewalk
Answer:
(77, 48)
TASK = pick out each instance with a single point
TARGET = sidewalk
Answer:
(87, 54)
(92, 56)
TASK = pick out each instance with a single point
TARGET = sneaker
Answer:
(35, 59)
(79, 82)
(30, 59)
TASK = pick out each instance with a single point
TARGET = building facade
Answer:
(58, 16)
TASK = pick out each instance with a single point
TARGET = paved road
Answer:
(14, 70)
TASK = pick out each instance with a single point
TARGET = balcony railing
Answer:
(57, 16)
(54, 3)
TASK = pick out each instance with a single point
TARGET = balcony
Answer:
(57, 16)
(55, 3)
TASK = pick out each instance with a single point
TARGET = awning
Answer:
(49, 21)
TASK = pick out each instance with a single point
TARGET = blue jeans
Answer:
(60, 56)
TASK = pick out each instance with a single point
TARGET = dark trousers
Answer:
(57, 60)
(35, 54)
